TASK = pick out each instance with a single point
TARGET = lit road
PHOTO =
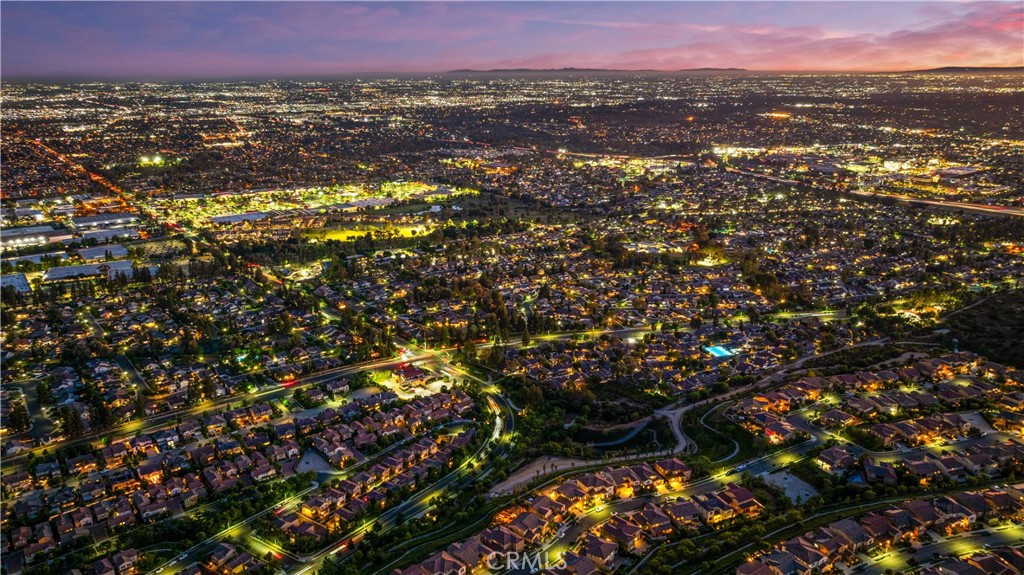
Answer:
(276, 391)
(494, 447)
(966, 206)
(566, 538)
(40, 425)
(801, 420)
(197, 552)
(943, 548)
(757, 466)
(75, 167)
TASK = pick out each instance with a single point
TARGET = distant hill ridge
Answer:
(557, 70)
(954, 69)
(570, 70)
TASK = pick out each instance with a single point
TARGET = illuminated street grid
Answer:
(692, 323)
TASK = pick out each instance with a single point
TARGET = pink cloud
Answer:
(988, 35)
(308, 38)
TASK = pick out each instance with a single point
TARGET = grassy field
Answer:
(718, 445)
(846, 360)
(482, 205)
(357, 231)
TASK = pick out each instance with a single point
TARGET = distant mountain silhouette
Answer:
(570, 70)
(540, 70)
(589, 70)
(713, 70)
(958, 69)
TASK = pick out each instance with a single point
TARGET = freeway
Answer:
(966, 206)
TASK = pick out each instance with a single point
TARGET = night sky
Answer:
(208, 40)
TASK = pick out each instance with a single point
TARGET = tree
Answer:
(360, 380)
(469, 350)
(101, 416)
(70, 422)
(331, 566)
(141, 274)
(209, 386)
(189, 346)
(195, 392)
(44, 393)
(19, 418)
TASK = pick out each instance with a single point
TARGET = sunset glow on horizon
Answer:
(129, 40)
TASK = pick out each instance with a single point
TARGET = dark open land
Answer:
(993, 328)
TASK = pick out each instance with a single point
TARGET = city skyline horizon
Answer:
(503, 72)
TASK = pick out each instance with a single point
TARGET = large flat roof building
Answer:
(109, 269)
(105, 220)
(18, 281)
(112, 234)
(99, 253)
(238, 218)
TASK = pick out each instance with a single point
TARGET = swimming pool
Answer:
(718, 351)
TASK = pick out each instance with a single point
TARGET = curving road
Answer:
(479, 464)
(160, 420)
